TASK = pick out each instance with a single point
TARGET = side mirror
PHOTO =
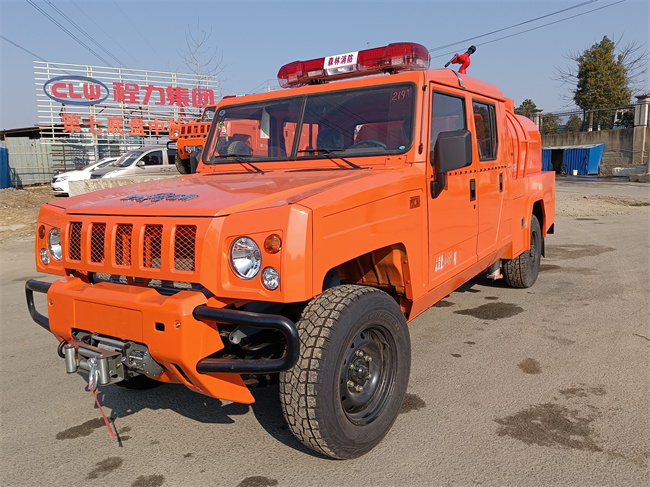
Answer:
(140, 163)
(453, 150)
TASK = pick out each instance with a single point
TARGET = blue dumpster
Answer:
(585, 159)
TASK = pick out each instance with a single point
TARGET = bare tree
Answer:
(200, 57)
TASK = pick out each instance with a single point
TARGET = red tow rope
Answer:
(101, 410)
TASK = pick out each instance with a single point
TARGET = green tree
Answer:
(602, 78)
(574, 124)
(526, 108)
(550, 124)
(605, 76)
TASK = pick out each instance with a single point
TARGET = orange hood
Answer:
(210, 195)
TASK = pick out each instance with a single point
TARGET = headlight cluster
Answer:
(246, 260)
(54, 247)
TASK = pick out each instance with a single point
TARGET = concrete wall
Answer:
(623, 148)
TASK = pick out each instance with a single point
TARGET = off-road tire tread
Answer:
(182, 165)
(517, 271)
(297, 387)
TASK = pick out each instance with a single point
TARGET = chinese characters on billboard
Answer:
(103, 105)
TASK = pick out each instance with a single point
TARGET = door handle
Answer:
(500, 182)
(472, 189)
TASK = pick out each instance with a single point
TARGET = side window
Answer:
(447, 114)
(486, 131)
(153, 158)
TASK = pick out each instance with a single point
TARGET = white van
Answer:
(152, 160)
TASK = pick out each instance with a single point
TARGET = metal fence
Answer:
(588, 120)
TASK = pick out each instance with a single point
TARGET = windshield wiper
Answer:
(241, 159)
(331, 155)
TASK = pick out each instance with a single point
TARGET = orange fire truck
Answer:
(321, 220)
(190, 137)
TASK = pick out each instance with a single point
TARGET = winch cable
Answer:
(101, 410)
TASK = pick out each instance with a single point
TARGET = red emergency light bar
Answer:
(400, 56)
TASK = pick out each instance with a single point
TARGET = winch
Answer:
(107, 360)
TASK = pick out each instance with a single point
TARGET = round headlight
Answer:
(245, 258)
(45, 257)
(175, 133)
(54, 244)
(270, 278)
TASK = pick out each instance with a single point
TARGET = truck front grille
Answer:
(194, 129)
(97, 242)
(116, 247)
(123, 238)
(152, 248)
(184, 247)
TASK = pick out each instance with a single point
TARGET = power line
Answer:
(88, 36)
(22, 48)
(105, 33)
(513, 26)
(136, 29)
(538, 27)
(53, 20)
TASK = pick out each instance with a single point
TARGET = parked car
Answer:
(60, 182)
(152, 160)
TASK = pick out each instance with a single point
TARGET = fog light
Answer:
(45, 257)
(270, 278)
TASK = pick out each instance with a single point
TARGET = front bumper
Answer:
(60, 187)
(179, 331)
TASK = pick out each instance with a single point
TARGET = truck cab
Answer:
(320, 221)
(189, 137)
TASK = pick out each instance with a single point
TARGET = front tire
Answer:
(344, 394)
(183, 165)
(522, 271)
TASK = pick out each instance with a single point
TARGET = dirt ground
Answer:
(19, 207)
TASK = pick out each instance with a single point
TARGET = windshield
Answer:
(128, 158)
(355, 122)
(208, 114)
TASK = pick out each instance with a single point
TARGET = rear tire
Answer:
(344, 394)
(522, 271)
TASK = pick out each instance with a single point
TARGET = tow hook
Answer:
(93, 374)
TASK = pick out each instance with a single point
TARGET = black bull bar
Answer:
(205, 313)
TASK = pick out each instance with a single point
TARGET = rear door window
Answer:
(486, 130)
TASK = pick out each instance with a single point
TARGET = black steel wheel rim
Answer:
(534, 249)
(367, 374)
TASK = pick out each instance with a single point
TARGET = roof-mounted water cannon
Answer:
(400, 56)
(463, 59)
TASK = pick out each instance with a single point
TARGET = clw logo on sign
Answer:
(76, 90)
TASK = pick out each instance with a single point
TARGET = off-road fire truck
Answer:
(321, 219)
(189, 137)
